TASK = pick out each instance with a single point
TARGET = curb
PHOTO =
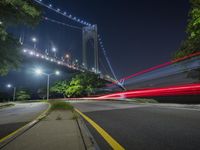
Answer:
(9, 138)
(88, 139)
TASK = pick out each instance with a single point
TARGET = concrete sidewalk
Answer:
(58, 131)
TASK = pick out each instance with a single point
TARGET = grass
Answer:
(75, 116)
(6, 105)
(144, 100)
(61, 105)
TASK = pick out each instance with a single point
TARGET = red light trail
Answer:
(189, 89)
(157, 67)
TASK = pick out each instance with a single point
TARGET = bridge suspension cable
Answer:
(61, 23)
(65, 14)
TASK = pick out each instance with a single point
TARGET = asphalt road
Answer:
(145, 127)
(15, 117)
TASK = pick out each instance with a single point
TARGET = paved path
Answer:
(15, 117)
(58, 131)
(145, 127)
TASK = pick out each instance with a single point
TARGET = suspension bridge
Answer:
(166, 74)
(89, 35)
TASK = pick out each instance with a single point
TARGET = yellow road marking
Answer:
(16, 131)
(112, 142)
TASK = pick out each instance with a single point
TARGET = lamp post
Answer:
(14, 90)
(40, 72)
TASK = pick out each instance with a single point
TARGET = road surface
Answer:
(15, 117)
(145, 127)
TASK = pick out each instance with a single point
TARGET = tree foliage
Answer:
(192, 42)
(23, 95)
(60, 87)
(14, 12)
(84, 84)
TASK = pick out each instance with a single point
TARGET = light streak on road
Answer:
(189, 89)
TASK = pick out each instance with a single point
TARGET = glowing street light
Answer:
(57, 73)
(39, 71)
(9, 85)
(14, 90)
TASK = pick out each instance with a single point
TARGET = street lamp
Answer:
(34, 40)
(39, 71)
(14, 90)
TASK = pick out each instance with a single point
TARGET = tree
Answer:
(84, 84)
(13, 12)
(192, 42)
(23, 95)
(60, 87)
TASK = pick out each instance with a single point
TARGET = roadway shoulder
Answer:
(9, 138)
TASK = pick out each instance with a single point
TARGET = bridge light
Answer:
(31, 53)
(50, 5)
(54, 49)
(67, 56)
(34, 39)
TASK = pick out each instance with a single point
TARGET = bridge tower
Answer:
(90, 33)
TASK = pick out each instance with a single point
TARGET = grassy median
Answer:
(61, 105)
(6, 105)
(144, 100)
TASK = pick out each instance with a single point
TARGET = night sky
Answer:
(137, 34)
